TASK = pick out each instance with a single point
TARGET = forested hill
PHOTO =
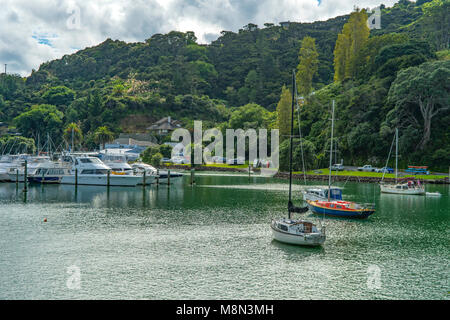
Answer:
(124, 86)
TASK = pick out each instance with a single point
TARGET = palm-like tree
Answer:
(103, 135)
(73, 131)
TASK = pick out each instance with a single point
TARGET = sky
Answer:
(33, 32)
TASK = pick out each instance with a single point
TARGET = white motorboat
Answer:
(33, 163)
(140, 167)
(298, 232)
(92, 171)
(52, 172)
(321, 193)
(8, 162)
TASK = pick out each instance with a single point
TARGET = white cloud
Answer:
(32, 32)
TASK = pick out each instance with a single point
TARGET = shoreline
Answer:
(296, 176)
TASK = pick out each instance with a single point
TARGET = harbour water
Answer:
(213, 241)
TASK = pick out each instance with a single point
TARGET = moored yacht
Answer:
(140, 167)
(18, 171)
(92, 171)
(52, 172)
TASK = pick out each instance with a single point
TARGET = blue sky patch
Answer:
(44, 38)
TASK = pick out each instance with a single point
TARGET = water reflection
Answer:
(297, 253)
(96, 196)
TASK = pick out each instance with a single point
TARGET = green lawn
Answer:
(216, 165)
(370, 174)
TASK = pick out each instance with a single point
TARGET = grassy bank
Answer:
(345, 173)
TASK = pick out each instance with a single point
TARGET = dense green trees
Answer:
(420, 94)
(237, 82)
(16, 145)
(41, 120)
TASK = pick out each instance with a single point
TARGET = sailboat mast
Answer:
(290, 144)
(396, 155)
(331, 151)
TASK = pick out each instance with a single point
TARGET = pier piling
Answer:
(168, 177)
(192, 176)
(108, 177)
(76, 177)
(144, 178)
(157, 177)
(25, 177)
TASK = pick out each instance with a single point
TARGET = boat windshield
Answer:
(89, 160)
(95, 171)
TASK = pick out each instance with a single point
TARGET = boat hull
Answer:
(49, 180)
(409, 191)
(102, 180)
(358, 214)
(148, 180)
(311, 240)
(4, 177)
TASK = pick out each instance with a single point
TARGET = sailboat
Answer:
(288, 230)
(408, 187)
(338, 208)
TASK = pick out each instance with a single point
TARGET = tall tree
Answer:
(420, 93)
(284, 113)
(308, 65)
(353, 37)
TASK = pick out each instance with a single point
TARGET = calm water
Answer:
(213, 241)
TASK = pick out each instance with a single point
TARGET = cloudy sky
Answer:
(32, 32)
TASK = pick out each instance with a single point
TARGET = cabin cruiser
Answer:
(321, 193)
(7, 162)
(52, 172)
(119, 166)
(140, 167)
(117, 163)
(87, 170)
(18, 171)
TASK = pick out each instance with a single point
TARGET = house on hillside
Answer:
(285, 24)
(3, 128)
(164, 126)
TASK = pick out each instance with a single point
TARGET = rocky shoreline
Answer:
(285, 175)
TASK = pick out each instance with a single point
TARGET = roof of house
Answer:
(133, 142)
(166, 123)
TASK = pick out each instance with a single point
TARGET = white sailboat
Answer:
(408, 187)
(292, 231)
